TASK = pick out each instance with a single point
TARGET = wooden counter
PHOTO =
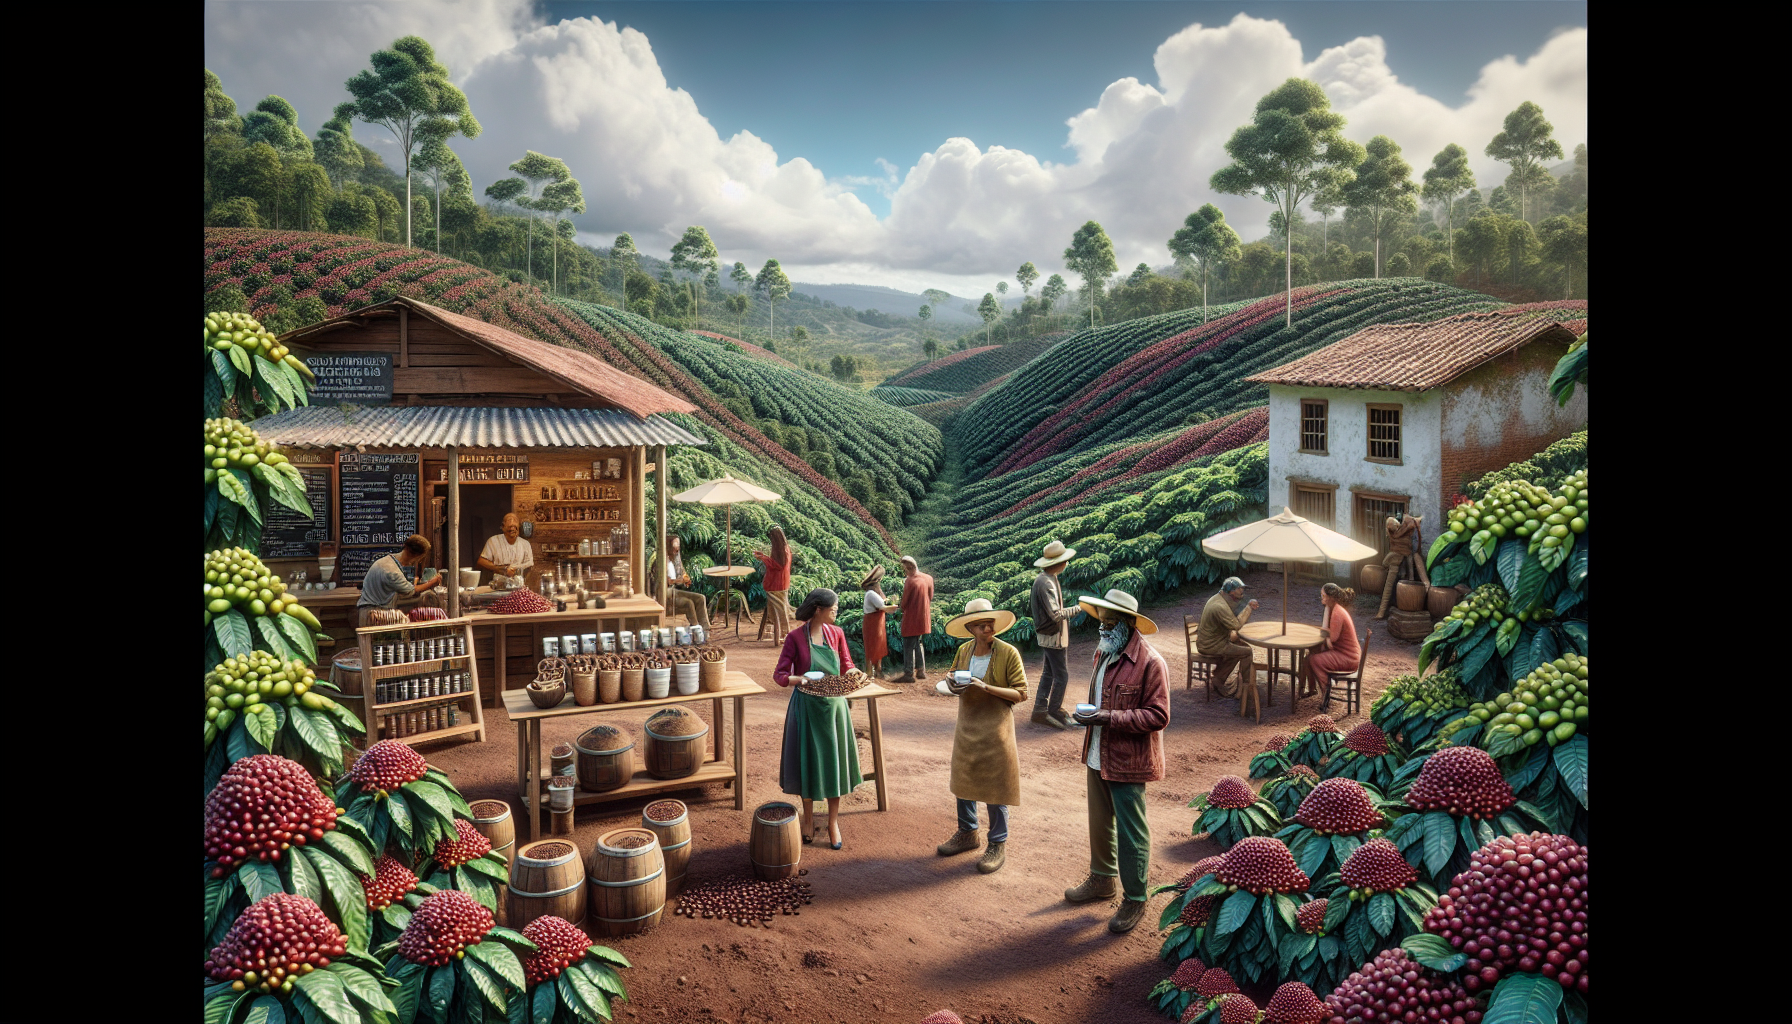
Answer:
(495, 636)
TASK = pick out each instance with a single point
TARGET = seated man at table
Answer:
(1217, 637)
(506, 554)
(692, 606)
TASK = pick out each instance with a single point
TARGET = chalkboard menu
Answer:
(358, 378)
(378, 498)
(285, 533)
(352, 563)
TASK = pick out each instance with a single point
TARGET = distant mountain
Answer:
(886, 300)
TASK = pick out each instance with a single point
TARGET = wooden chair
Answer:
(1353, 681)
(1200, 666)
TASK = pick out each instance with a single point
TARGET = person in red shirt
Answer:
(917, 620)
(1340, 649)
(777, 580)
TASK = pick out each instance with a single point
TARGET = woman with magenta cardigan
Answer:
(821, 753)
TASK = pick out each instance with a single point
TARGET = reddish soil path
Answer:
(897, 932)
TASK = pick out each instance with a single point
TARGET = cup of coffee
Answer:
(962, 676)
(1086, 709)
(814, 675)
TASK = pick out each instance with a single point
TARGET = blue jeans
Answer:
(998, 819)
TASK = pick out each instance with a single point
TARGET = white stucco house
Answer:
(1397, 418)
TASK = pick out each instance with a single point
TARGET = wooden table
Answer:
(869, 694)
(728, 574)
(528, 718)
(621, 609)
(1299, 641)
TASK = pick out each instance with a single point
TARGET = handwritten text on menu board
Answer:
(379, 497)
(352, 564)
(290, 535)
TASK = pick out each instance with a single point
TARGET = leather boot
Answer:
(961, 842)
(904, 678)
(993, 858)
(1126, 917)
(1095, 887)
(1045, 718)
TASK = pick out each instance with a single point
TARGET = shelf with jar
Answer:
(579, 490)
(421, 683)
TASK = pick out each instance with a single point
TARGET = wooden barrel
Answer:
(1371, 578)
(492, 819)
(673, 748)
(1409, 596)
(628, 882)
(547, 878)
(345, 672)
(671, 821)
(606, 758)
(776, 842)
(1439, 601)
(357, 706)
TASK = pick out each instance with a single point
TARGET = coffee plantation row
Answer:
(965, 371)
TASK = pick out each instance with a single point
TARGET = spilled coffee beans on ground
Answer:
(745, 901)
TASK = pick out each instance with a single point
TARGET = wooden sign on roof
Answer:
(444, 358)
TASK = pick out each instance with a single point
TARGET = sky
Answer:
(920, 144)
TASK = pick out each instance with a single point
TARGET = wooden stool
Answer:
(1247, 699)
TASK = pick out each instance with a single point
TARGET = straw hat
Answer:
(1055, 552)
(1120, 601)
(978, 609)
(872, 578)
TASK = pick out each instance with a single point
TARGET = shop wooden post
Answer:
(453, 580)
(638, 529)
(660, 557)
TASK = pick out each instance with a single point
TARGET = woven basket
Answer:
(584, 688)
(609, 685)
(709, 675)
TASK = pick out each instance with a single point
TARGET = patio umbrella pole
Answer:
(1284, 598)
(727, 581)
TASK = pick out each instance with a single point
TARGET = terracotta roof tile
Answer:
(1421, 356)
(581, 370)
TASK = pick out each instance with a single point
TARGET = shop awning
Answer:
(423, 426)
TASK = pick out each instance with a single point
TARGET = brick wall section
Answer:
(1512, 392)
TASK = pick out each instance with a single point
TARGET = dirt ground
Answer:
(896, 931)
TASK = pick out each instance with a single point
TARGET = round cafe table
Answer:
(728, 574)
(1299, 641)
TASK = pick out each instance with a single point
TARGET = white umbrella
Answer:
(727, 491)
(1284, 538)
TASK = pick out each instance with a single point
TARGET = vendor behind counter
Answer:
(391, 577)
(506, 554)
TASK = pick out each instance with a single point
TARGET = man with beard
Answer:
(1128, 708)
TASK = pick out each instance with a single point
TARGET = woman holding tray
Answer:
(821, 753)
(985, 762)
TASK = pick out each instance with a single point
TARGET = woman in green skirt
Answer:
(821, 754)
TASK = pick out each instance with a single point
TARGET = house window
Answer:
(1370, 519)
(1384, 433)
(1313, 412)
(1313, 502)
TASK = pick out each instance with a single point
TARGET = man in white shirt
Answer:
(693, 606)
(507, 554)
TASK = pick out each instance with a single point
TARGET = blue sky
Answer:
(920, 144)
(847, 83)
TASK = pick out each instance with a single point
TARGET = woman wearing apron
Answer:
(821, 753)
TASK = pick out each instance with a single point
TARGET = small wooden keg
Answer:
(606, 758)
(1409, 596)
(776, 842)
(492, 819)
(547, 878)
(1439, 601)
(671, 821)
(673, 748)
(345, 672)
(628, 882)
(1371, 578)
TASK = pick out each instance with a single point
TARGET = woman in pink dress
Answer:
(1339, 651)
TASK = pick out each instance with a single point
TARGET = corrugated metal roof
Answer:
(1418, 356)
(427, 426)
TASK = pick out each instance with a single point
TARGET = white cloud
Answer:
(961, 216)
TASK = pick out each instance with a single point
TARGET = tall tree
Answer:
(1482, 243)
(697, 255)
(1565, 244)
(1054, 290)
(741, 276)
(1208, 241)
(558, 198)
(1527, 141)
(538, 171)
(990, 310)
(1293, 149)
(438, 163)
(1574, 189)
(623, 256)
(738, 304)
(1383, 188)
(336, 148)
(775, 285)
(925, 313)
(1001, 289)
(1446, 179)
(1325, 204)
(1026, 275)
(221, 119)
(935, 297)
(1091, 256)
(275, 122)
(406, 87)
(1139, 274)
(930, 348)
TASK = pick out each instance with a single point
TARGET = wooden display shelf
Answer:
(413, 668)
(708, 773)
(370, 712)
(578, 501)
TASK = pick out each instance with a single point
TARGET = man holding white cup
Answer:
(506, 554)
(1128, 708)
